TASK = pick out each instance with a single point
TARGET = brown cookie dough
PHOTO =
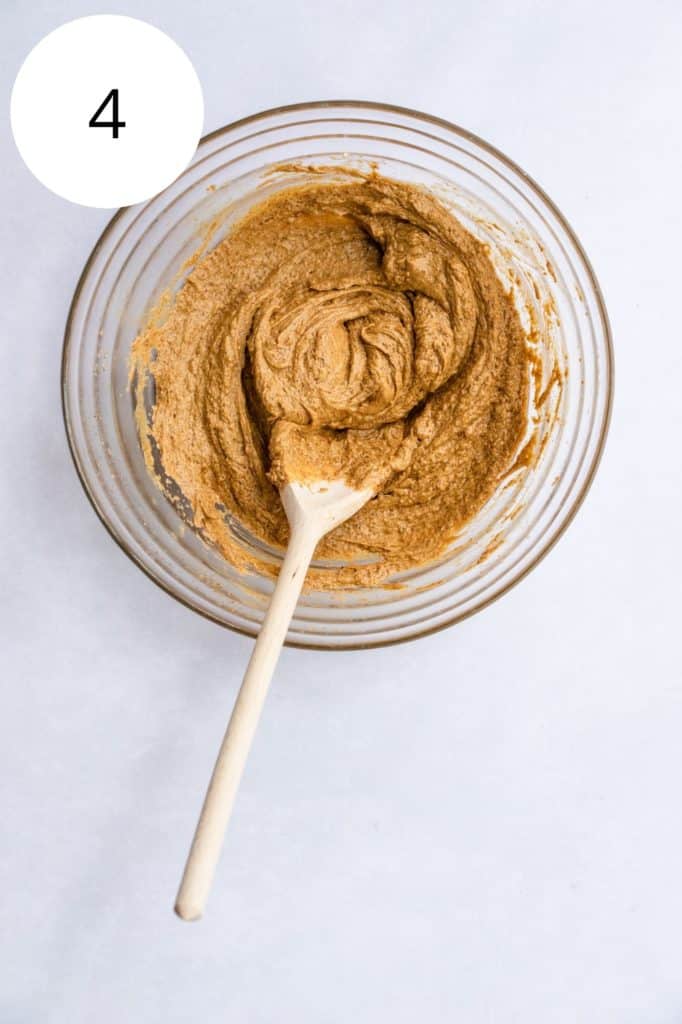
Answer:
(340, 329)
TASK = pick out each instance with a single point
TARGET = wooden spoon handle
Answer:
(215, 814)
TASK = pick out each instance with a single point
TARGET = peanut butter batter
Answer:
(350, 329)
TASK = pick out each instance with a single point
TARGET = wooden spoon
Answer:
(312, 510)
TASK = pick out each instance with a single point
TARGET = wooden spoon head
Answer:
(322, 504)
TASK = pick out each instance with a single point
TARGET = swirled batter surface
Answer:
(350, 329)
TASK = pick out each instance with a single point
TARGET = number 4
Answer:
(115, 124)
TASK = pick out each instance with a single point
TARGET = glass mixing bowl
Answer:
(150, 249)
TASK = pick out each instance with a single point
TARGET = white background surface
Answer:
(484, 826)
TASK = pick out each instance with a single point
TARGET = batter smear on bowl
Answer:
(356, 326)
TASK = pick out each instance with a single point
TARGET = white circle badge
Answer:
(107, 111)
